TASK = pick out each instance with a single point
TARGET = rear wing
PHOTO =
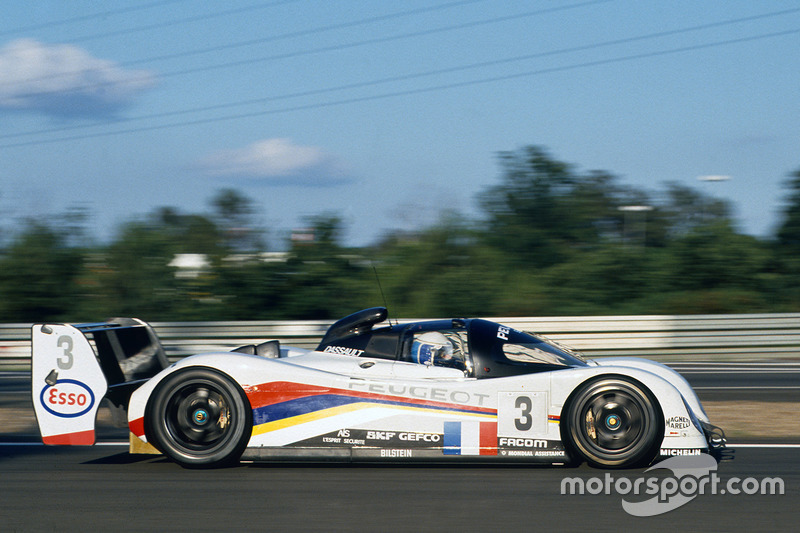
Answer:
(73, 367)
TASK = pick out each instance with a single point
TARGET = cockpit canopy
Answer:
(479, 348)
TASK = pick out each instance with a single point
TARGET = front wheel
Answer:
(613, 422)
(199, 418)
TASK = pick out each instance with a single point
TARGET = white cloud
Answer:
(275, 161)
(65, 80)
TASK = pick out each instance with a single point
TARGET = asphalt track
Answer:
(105, 488)
(750, 381)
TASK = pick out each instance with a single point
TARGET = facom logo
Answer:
(68, 398)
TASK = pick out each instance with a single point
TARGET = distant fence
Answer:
(663, 337)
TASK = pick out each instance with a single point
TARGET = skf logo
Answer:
(68, 398)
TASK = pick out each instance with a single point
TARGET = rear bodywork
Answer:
(74, 367)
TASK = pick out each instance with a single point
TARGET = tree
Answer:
(188, 234)
(526, 214)
(787, 247)
(136, 279)
(713, 269)
(37, 276)
(323, 279)
(445, 270)
(233, 212)
(688, 209)
(614, 278)
(543, 211)
(250, 290)
(789, 231)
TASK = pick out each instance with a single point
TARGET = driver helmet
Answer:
(431, 347)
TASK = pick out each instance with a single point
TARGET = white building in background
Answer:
(191, 266)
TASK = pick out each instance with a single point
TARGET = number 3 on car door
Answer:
(525, 421)
(521, 414)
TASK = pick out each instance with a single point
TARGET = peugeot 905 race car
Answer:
(444, 390)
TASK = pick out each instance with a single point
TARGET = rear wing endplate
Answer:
(73, 367)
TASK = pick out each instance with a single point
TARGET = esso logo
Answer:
(68, 398)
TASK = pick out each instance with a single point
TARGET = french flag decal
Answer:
(470, 438)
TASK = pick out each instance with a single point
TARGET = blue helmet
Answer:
(431, 348)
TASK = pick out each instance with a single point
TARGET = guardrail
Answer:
(661, 337)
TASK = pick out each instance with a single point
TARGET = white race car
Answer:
(442, 390)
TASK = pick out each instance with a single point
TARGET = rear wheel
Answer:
(613, 422)
(199, 418)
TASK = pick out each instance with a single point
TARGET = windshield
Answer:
(504, 351)
(524, 347)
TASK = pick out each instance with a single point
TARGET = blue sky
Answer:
(387, 113)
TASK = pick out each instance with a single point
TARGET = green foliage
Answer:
(786, 249)
(138, 279)
(233, 215)
(443, 271)
(38, 276)
(610, 279)
(715, 257)
(789, 232)
(528, 212)
(552, 241)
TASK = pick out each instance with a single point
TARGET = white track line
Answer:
(748, 387)
(763, 445)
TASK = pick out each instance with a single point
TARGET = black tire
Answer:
(199, 417)
(613, 422)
